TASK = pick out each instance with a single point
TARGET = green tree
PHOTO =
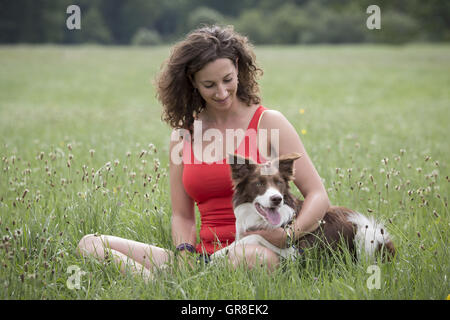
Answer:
(396, 27)
(342, 25)
(203, 15)
(253, 24)
(93, 28)
(286, 24)
(145, 37)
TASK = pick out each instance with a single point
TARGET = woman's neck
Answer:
(216, 117)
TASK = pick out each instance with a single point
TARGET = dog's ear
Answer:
(240, 166)
(286, 164)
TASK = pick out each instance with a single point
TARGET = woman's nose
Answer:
(221, 92)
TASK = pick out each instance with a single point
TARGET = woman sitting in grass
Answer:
(208, 85)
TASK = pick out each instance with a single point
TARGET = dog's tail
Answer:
(371, 237)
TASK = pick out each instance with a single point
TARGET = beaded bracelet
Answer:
(186, 246)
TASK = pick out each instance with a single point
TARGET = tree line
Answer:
(152, 22)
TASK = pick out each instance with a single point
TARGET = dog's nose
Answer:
(275, 200)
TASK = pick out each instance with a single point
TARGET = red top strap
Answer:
(256, 117)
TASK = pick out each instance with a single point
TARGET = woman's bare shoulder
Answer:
(272, 119)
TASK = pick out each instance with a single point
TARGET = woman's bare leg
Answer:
(137, 257)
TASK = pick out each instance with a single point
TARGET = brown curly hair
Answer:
(181, 103)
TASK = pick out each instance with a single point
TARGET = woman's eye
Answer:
(212, 85)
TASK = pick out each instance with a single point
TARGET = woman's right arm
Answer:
(183, 210)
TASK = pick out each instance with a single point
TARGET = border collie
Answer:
(262, 200)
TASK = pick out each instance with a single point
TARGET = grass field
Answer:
(83, 150)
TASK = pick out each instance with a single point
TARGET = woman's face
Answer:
(217, 83)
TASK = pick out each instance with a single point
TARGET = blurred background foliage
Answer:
(153, 22)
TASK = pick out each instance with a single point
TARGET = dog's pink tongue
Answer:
(273, 216)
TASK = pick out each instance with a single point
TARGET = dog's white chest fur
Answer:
(248, 218)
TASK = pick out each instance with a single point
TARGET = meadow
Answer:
(83, 150)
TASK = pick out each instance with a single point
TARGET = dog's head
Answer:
(266, 185)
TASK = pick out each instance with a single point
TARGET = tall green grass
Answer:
(83, 151)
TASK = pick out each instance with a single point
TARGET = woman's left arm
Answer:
(306, 178)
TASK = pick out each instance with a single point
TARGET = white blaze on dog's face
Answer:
(263, 185)
(268, 205)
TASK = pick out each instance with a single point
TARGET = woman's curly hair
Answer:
(181, 103)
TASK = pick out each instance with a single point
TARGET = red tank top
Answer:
(210, 186)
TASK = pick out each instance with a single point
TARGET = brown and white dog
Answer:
(262, 200)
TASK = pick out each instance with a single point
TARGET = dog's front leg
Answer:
(251, 239)
(256, 239)
(222, 252)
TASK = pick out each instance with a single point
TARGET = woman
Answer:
(211, 77)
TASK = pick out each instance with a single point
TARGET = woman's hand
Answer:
(277, 236)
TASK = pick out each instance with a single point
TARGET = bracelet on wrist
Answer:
(185, 246)
(290, 238)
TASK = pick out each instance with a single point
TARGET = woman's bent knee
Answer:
(90, 244)
(265, 256)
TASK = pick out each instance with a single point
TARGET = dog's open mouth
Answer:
(272, 215)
